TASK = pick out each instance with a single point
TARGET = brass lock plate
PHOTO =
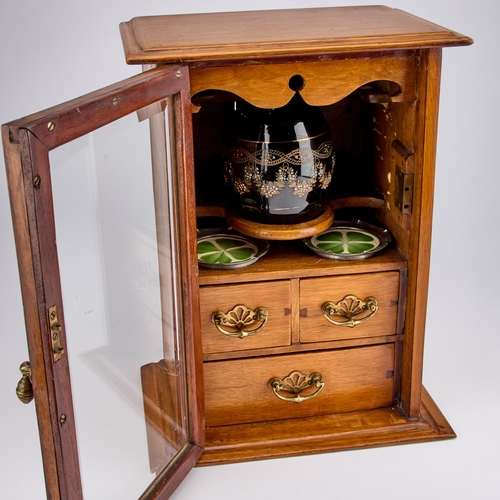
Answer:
(55, 334)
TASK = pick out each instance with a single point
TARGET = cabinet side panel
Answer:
(420, 237)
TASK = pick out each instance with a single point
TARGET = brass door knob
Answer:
(24, 389)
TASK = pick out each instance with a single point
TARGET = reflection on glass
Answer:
(116, 240)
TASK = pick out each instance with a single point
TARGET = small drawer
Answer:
(249, 390)
(247, 316)
(347, 307)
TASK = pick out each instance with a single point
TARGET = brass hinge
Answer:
(404, 159)
(403, 195)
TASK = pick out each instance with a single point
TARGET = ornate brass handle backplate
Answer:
(237, 321)
(348, 308)
(294, 384)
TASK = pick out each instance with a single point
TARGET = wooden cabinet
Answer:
(332, 356)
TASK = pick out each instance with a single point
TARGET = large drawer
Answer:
(336, 308)
(239, 391)
(239, 303)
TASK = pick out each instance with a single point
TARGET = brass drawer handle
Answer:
(295, 383)
(24, 389)
(238, 319)
(350, 307)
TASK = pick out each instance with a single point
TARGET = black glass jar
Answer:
(279, 163)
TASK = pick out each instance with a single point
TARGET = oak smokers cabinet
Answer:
(108, 192)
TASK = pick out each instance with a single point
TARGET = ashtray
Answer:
(353, 240)
(227, 250)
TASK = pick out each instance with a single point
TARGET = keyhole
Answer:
(296, 83)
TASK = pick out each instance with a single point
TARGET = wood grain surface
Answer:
(251, 34)
(237, 391)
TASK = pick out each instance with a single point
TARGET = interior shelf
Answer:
(292, 259)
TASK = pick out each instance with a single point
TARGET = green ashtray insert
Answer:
(225, 249)
(346, 241)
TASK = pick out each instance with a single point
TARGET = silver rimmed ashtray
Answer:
(352, 240)
(227, 250)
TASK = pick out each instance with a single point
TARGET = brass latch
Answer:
(55, 334)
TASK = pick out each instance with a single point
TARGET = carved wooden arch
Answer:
(325, 82)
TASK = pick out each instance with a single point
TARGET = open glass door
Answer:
(104, 216)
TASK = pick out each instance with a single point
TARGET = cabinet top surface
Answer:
(272, 33)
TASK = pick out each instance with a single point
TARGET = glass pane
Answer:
(116, 238)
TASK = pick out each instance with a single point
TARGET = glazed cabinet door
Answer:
(105, 230)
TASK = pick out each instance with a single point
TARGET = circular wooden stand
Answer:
(282, 231)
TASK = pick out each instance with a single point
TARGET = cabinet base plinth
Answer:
(347, 431)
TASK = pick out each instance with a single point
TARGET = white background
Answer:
(55, 50)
